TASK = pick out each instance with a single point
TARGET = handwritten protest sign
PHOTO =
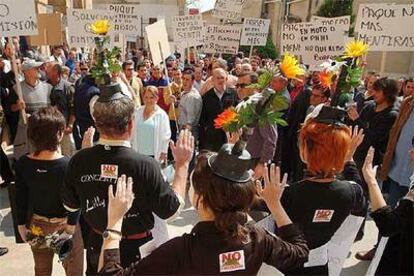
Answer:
(255, 31)
(79, 22)
(223, 39)
(340, 22)
(17, 17)
(228, 9)
(127, 20)
(50, 30)
(188, 30)
(314, 43)
(386, 27)
(158, 41)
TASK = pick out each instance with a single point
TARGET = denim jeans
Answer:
(396, 192)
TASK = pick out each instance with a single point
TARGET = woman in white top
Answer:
(152, 127)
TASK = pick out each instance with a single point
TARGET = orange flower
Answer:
(227, 117)
(325, 79)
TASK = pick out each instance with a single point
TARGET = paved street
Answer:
(19, 261)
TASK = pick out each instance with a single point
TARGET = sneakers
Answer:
(3, 250)
(366, 255)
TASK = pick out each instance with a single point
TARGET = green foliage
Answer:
(335, 8)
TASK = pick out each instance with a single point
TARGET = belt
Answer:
(137, 236)
(51, 220)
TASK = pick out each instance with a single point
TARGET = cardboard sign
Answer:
(228, 9)
(127, 19)
(17, 17)
(386, 27)
(50, 30)
(255, 31)
(339, 22)
(158, 41)
(79, 22)
(314, 43)
(188, 30)
(223, 39)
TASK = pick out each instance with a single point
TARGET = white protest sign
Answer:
(228, 9)
(79, 22)
(224, 39)
(255, 31)
(340, 22)
(158, 41)
(188, 30)
(127, 20)
(314, 43)
(386, 27)
(17, 17)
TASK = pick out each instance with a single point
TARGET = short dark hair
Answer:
(326, 92)
(389, 87)
(189, 72)
(253, 76)
(58, 68)
(127, 63)
(44, 127)
(112, 118)
(141, 64)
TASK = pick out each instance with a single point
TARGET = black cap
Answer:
(110, 92)
(331, 115)
(232, 162)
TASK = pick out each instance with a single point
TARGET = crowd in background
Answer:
(183, 94)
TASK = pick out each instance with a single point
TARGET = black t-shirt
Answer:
(320, 208)
(38, 188)
(92, 170)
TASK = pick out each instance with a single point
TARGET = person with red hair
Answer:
(330, 190)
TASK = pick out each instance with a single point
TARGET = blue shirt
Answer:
(146, 136)
(401, 168)
(71, 64)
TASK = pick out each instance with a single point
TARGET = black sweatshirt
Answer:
(38, 189)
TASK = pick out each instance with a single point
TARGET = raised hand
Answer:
(120, 202)
(368, 170)
(273, 186)
(356, 140)
(87, 141)
(183, 149)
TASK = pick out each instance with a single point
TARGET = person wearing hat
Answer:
(92, 170)
(322, 200)
(35, 95)
(222, 191)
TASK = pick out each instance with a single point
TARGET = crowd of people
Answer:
(74, 142)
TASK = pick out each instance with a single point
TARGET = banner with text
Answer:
(386, 27)
(314, 43)
(79, 24)
(228, 9)
(255, 31)
(17, 17)
(127, 20)
(224, 39)
(188, 30)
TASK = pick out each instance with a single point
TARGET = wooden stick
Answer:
(251, 52)
(16, 78)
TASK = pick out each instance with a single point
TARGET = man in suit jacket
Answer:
(215, 101)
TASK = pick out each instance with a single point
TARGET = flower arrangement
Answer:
(350, 72)
(61, 244)
(106, 59)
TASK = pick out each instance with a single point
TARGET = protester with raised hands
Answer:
(93, 169)
(397, 224)
(322, 201)
(222, 239)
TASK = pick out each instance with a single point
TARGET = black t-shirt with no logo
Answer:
(92, 170)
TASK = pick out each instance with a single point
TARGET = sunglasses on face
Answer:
(84, 69)
(241, 85)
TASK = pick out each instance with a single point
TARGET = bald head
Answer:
(219, 79)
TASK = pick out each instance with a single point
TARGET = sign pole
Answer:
(383, 60)
(251, 52)
(16, 78)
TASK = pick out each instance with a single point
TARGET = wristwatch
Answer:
(110, 234)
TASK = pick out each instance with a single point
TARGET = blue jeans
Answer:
(396, 192)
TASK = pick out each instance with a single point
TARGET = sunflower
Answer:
(355, 49)
(100, 27)
(226, 118)
(36, 231)
(290, 67)
(325, 78)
